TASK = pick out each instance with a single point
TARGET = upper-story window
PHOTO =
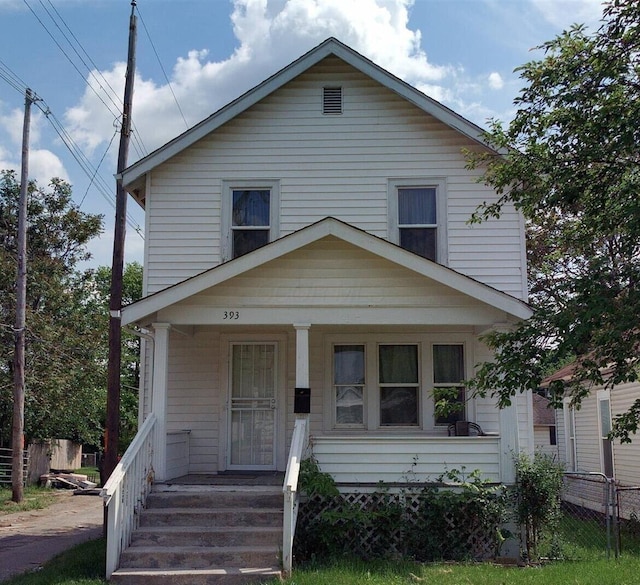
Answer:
(417, 218)
(249, 216)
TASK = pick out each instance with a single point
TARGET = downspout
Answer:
(150, 338)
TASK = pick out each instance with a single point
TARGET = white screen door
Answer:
(253, 406)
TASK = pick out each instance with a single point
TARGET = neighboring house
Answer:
(583, 442)
(544, 426)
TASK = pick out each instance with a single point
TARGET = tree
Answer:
(571, 164)
(61, 340)
(130, 357)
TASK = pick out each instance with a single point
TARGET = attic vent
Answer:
(332, 100)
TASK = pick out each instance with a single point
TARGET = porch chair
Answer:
(465, 428)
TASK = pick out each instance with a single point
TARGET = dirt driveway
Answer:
(29, 539)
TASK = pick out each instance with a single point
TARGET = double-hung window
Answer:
(606, 444)
(399, 385)
(349, 384)
(250, 217)
(448, 381)
(416, 218)
(393, 382)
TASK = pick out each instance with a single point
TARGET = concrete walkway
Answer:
(30, 539)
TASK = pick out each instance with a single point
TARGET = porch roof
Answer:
(494, 305)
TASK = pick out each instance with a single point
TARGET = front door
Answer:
(252, 424)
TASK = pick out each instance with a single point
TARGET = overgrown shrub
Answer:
(538, 490)
(461, 520)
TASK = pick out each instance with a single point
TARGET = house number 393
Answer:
(231, 315)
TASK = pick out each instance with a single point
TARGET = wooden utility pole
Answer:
(112, 432)
(17, 441)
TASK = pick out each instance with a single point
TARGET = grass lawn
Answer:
(81, 565)
(601, 572)
(35, 498)
(84, 565)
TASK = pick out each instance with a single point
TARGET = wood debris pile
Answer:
(62, 479)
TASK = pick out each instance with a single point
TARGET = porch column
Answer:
(302, 354)
(159, 398)
(509, 441)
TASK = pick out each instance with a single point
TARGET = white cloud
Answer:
(564, 13)
(43, 164)
(495, 80)
(271, 34)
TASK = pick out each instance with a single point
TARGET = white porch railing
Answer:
(290, 489)
(126, 490)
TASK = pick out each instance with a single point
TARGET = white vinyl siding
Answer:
(336, 166)
(193, 400)
(404, 458)
(328, 276)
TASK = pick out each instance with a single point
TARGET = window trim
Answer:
(439, 183)
(226, 209)
(605, 396)
(461, 386)
(570, 443)
(371, 398)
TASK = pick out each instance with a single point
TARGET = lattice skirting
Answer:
(412, 525)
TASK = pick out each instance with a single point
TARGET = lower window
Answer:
(398, 383)
(448, 379)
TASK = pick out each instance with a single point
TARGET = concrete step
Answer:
(216, 499)
(211, 517)
(207, 536)
(193, 536)
(198, 557)
(231, 576)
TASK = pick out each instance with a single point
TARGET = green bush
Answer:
(461, 520)
(538, 490)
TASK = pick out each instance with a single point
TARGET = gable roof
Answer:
(133, 174)
(543, 414)
(312, 233)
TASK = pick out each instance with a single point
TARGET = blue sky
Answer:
(460, 52)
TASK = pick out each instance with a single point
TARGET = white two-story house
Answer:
(312, 238)
(308, 257)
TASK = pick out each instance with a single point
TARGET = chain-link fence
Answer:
(588, 524)
(599, 517)
(628, 508)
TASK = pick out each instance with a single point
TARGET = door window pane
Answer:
(253, 371)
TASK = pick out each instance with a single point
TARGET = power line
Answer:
(98, 167)
(12, 78)
(139, 145)
(175, 99)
